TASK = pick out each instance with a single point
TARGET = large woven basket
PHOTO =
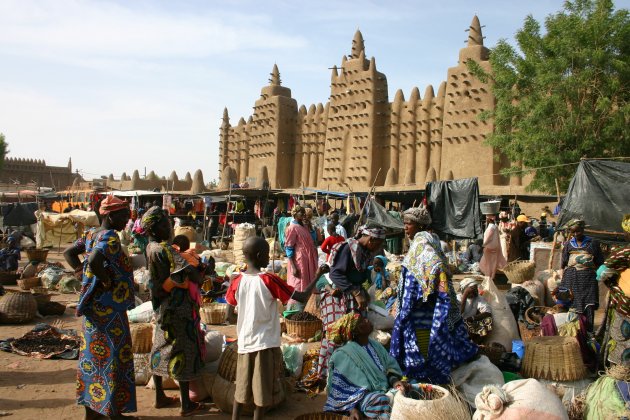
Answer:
(9, 278)
(213, 313)
(518, 272)
(320, 416)
(27, 284)
(51, 308)
(312, 307)
(432, 402)
(553, 358)
(531, 327)
(38, 255)
(303, 329)
(227, 363)
(141, 337)
(17, 308)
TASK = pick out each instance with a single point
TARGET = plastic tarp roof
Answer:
(599, 193)
(454, 208)
(21, 215)
(377, 215)
(56, 220)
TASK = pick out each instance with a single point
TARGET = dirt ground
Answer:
(36, 389)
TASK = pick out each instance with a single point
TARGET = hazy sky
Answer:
(123, 85)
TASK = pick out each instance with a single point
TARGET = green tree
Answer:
(563, 95)
(3, 150)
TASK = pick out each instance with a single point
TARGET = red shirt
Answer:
(330, 242)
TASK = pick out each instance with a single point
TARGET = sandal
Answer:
(194, 408)
(170, 401)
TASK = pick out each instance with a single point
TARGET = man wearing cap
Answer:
(519, 241)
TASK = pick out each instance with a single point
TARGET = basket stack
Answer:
(17, 308)
(141, 337)
(519, 272)
(37, 255)
(29, 283)
(303, 329)
(213, 313)
(553, 358)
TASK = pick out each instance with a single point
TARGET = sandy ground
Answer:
(37, 389)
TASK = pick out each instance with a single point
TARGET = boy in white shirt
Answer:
(260, 365)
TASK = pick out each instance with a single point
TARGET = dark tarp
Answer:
(377, 215)
(599, 194)
(21, 215)
(454, 208)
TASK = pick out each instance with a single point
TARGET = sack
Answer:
(187, 231)
(470, 378)
(379, 320)
(142, 313)
(214, 346)
(504, 328)
(197, 390)
(241, 233)
(521, 399)
(142, 368)
(167, 382)
(69, 284)
(50, 276)
(536, 290)
(293, 356)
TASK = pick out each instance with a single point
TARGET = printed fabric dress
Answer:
(105, 377)
(429, 338)
(177, 339)
(299, 245)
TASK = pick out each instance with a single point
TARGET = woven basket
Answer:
(9, 278)
(223, 396)
(17, 308)
(531, 327)
(213, 313)
(518, 272)
(141, 337)
(227, 363)
(434, 402)
(42, 298)
(553, 358)
(320, 416)
(312, 307)
(303, 329)
(27, 284)
(38, 255)
(51, 308)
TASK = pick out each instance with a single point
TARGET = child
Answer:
(380, 276)
(260, 364)
(332, 239)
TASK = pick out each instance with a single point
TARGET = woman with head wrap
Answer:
(361, 372)
(349, 263)
(105, 384)
(429, 337)
(492, 258)
(475, 310)
(581, 256)
(177, 339)
(302, 254)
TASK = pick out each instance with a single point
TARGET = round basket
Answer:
(320, 416)
(518, 272)
(141, 337)
(213, 313)
(9, 278)
(38, 255)
(490, 207)
(429, 402)
(303, 329)
(42, 298)
(27, 284)
(17, 308)
(312, 306)
(51, 308)
(553, 358)
(223, 396)
(227, 363)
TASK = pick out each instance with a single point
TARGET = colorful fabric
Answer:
(418, 215)
(582, 282)
(152, 217)
(329, 242)
(112, 203)
(177, 341)
(625, 223)
(105, 377)
(341, 331)
(360, 255)
(427, 301)
(304, 256)
(619, 258)
(576, 223)
(374, 232)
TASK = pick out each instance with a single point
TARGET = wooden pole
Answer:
(356, 227)
(553, 251)
(227, 209)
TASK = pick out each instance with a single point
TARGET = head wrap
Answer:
(418, 215)
(112, 203)
(296, 209)
(503, 215)
(152, 217)
(373, 232)
(341, 331)
(576, 223)
(625, 223)
(522, 218)
(466, 283)
(562, 296)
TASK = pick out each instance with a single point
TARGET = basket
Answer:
(303, 329)
(518, 272)
(213, 313)
(490, 207)
(27, 284)
(531, 327)
(320, 416)
(227, 363)
(312, 306)
(493, 351)
(51, 308)
(553, 358)
(141, 337)
(38, 255)
(429, 402)
(42, 298)
(8, 278)
(17, 308)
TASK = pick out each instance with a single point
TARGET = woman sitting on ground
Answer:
(361, 371)
(475, 310)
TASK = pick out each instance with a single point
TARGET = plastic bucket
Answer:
(518, 347)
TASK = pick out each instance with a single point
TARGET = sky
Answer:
(124, 85)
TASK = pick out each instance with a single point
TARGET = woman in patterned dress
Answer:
(177, 342)
(105, 378)
(429, 337)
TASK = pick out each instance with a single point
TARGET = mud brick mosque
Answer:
(344, 143)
